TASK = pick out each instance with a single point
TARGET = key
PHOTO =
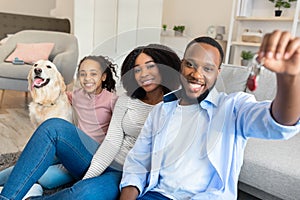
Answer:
(252, 81)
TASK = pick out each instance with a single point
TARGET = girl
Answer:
(93, 102)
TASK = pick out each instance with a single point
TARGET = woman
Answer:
(148, 73)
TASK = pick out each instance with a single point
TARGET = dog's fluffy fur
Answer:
(48, 92)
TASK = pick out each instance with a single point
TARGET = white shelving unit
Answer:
(256, 15)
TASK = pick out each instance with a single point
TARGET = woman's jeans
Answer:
(104, 187)
(54, 137)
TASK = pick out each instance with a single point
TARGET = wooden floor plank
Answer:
(15, 125)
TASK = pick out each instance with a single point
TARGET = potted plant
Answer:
(164, 26)
(246, 56)
(279, 4)
(178, 30)
(164, 29)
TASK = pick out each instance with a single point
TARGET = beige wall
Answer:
(29, 7)
(197, 15)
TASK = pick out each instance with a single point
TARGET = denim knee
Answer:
(56, 122)
(55, 126)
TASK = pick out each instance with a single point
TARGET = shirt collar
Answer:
(212, 97)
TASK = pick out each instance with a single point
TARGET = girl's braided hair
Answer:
(107, 67)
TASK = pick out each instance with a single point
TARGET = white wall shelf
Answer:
(256, 16)
(279, 19)
(249, 44)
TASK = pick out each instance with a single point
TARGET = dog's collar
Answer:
(51, 104)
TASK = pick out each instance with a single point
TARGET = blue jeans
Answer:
(55, 176)
(4, 174)
(54, 137)
(104, 187)
(153, 196)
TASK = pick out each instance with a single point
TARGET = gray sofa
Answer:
(38, 29)
(11, 23)
(271, 169)
(64, 55)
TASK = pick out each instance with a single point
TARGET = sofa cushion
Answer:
(232, 78)
(9, 70)
(31, 52)
(266, 88)
(3, 40)
(273, 166)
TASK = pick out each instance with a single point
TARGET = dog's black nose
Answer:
(37, 71)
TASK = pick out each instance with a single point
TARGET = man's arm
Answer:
(281, 54)
(129, 193)
(137, 166)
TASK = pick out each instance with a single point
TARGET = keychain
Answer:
(256, 68)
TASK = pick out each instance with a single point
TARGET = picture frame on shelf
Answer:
(211, 31)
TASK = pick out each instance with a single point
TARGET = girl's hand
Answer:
(69, 94)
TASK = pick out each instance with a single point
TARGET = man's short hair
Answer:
(210, 41)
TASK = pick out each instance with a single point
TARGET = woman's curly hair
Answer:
(165, 58)
(107, 67)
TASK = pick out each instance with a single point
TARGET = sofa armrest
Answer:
(66, 63)
(5, 50)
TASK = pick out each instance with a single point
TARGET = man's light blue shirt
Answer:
(231, 119)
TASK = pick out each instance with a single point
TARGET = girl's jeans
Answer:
(55, 176)
(55, 137)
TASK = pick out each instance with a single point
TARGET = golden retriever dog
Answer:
(48, 92)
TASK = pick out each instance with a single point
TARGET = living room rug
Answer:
(8, 159)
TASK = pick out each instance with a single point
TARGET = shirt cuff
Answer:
(132, 180)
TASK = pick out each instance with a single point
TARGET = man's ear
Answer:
(181, 63)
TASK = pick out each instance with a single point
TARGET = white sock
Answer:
(35, 190)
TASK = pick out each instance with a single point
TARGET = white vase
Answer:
(245, 62)
(164, 32)
(178, 33)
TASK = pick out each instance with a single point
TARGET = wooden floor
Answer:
(15, 126)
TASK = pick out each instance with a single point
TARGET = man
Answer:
(192, 144)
